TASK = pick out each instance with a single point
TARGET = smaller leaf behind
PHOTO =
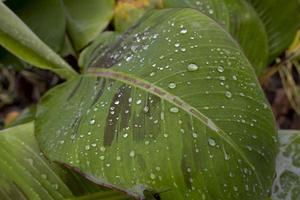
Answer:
(45, 18)
(85, 20)
(16, 37)
(281, 19)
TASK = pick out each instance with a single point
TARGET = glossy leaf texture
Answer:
(281, 19)
(25, 174)
(45, 18)
(16, 37)
(172, 108)
(85, 20)
(240, 19)
(287, 183)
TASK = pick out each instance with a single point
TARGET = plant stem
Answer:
(274, 69)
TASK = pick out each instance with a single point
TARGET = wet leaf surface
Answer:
(173, 107)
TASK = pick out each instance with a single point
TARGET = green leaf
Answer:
(287, 183)
(240, 19)
(175, 111)
(45, 18)
(22, 42)
(25, 174)
(281, 19)
(85, 20)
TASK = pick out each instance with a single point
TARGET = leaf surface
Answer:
(172, 108)
(240, 19)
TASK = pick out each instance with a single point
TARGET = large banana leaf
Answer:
(85, 20)
(25, 174)
(240, 19)
(175, 111)
(281, 19)
(287, 183)
(22, 42)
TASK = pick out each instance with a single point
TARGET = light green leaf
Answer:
(45, 18)
(281, 19)
(240, 19)
(25, 174)
(175, 111)
(287, 183)
(86, 19)
(22, 42)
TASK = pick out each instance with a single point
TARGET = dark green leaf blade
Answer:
(178, 112)
(281, 19)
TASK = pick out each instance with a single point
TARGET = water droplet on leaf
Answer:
(211, 142)
(192, 67)
(172, 85)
